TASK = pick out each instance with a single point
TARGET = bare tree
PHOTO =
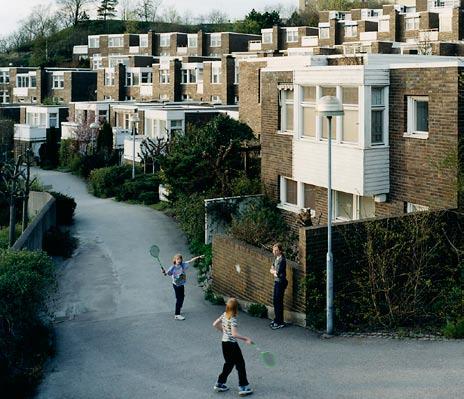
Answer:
(171, 15)
(126, 9)
(217, 16)
(152, 149)
(148, 9)
(41, 22)
(73, 11)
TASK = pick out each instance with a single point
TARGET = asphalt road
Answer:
(116, 336)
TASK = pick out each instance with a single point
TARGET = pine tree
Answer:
(107, 9)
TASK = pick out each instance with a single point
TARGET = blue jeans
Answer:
(180, 294)
(279, 291)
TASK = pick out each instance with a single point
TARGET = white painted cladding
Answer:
(343, 75)
(355, 170)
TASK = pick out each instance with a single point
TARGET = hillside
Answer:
(56, 50)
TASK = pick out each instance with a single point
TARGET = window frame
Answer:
(292, 36)
(215, 40)
(115, 41)
(284, 102)
(164, 76)
(216, 72)
(412, 117)
(58, 82)
(165, 39)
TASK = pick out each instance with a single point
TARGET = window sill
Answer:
(421, 136)
(285, 133)
(289, 207)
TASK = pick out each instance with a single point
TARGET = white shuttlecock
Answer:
(237, 267)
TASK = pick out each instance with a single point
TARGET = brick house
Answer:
(402, 125)
(170, 44)
(171, 79)
(34, 85)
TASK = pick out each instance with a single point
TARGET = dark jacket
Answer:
(280, 264)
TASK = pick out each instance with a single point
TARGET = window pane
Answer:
(350, 95)
(309, 121)
(377, 96)
(366, 207)
(309, 196)
(350, 126)
(309, 93)
(289, 111)
(325, 128)
(328, 91)
(289, 95)
(291, 191)
(344, 207)
(422, 116)
(377, 127)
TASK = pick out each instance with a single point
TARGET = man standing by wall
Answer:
(279, 270)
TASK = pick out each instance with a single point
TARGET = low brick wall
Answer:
(254, 283)
(42, 209)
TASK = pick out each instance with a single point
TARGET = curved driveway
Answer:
(116, 337)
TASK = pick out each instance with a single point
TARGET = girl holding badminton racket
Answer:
(227, 324)
(179, 278)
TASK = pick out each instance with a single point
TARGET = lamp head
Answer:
(329, 106)
(135, 118)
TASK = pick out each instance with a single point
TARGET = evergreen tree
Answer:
(105, 139)
(107, 9)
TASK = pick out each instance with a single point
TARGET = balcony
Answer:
(119, 135)
(128, 148)
(254, 45)
(354, 170)
(182, 50)
(29, 133)
(68, 130)
(428, 35)
(438, 5)
(310, 41)
(81, 50)
(146, 90)
(368, 36)
(21, 91)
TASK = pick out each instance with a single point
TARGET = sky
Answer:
(19, 9)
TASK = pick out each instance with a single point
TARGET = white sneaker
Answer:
(179, 317)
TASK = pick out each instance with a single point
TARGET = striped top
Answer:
(227, 325)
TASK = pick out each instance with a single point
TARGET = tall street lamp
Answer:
(329, 106)
(134, 120)
(94, 126)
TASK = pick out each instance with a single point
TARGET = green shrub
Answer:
(454, 329)
(57, 242)
(144, 188)
(26, 280)
(213, 298)
(243, 185)
(4, 236)
(67, 152)
(261, 224)
(257, 310)
(65, 207)
(190, 213)
(105, 182)
(204, 264)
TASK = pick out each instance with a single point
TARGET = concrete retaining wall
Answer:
(42, 211)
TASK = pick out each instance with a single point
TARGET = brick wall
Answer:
(249, 94)
(415, 172)
(276, 149)
(254, 283)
